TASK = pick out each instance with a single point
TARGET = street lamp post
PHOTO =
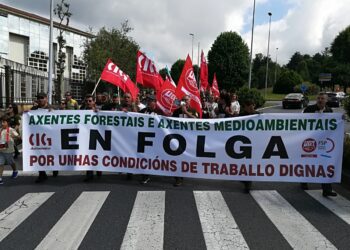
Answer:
(276, 67)
(267, 57)
(50, 56)
(251, 50)
(191, 34)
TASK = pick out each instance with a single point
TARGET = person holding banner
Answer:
(150, 109)
(114, 105)
(248, 109)
(43, 104)
(320, 107)
(185, 111)
(127, 104)
(89, 104)
(7, 136)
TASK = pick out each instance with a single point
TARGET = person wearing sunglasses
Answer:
(89, 104)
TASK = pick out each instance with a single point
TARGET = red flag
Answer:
(204, 73)
(132, 89)
(146, 72)
(166, 97)
(215, 87)
(187, 85)
(114, 75)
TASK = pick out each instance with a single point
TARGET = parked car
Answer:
(341, 95)
(333, 100)
(295, 100)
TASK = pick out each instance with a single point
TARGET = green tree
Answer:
(114, 44)
(176, 70)
(294, 61)
(163, 73)
(340, 47)
(63, 13)
(229, 59)
(259, 71)
(286, 82)
(245, 93)
(303, 70)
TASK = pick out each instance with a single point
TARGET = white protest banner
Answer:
(264, 147)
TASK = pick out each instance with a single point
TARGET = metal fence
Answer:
(20, 83)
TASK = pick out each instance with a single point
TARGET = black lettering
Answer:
(66, 139)
(96, 136)
(181, 148)
(281, 149)
(246, 151)
(201, 147)
(141, 141)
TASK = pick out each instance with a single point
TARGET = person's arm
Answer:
(228, 111)
(184, 111)
(14, 134)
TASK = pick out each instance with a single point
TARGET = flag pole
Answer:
(50, 56)
(93, 92)
(199, 82)
(118, 96)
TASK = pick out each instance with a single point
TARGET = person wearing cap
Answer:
(150, 109)
(114, 105)
(43, 104)
(71, 104)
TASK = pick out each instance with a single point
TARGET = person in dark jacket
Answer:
(150, 109)
(320, 107)
(42, 103)
(248, 109)
(89, 104)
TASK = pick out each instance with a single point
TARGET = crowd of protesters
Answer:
(225, 106)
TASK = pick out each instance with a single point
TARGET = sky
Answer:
(162, 27)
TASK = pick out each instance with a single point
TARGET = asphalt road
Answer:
(276, 107)
(160, 216)
(112, 213)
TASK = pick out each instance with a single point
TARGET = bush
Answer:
(245, 93)
(312, 89)
(286, 82)
(346, 153)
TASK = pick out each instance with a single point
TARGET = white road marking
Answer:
(19, 211)
(70, 230)
(219, 227)
(338, 205)
(146, 225)
(299, 233)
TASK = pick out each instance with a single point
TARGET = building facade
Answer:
(24, 47)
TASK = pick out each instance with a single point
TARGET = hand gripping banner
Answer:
(263, 147)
